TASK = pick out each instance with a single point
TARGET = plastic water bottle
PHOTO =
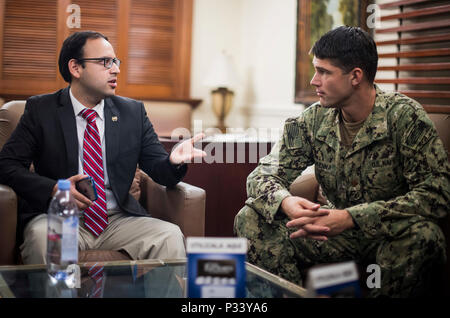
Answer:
(62, 236)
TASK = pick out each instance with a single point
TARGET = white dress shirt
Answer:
(111, 203)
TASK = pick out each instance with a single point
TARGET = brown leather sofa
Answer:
(183, 205)
(306, 186)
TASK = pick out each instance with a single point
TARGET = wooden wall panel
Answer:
(422, 51)
(159, 45)
(29, 40)
(151, 37)
(100, 16)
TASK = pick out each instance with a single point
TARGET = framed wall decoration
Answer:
(314, 18)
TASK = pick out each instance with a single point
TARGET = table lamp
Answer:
(221, 77)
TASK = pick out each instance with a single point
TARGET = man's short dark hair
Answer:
(347, 48)
(72, 48)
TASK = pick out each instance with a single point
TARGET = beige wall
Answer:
(261, 37)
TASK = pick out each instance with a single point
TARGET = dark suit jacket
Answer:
(46, 136)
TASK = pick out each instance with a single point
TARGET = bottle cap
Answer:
(63, 184)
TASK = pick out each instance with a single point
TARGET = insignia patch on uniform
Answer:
(418, 134)
(292, 133)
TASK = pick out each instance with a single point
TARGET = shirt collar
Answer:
(78, 107)
(374, 127)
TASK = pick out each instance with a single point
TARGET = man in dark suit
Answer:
(53, 134)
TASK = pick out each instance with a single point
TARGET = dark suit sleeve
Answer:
(154, 159)
(16, 157)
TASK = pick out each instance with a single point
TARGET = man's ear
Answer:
(356, 76)
(74, 68)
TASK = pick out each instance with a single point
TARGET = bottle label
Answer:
(69, 244)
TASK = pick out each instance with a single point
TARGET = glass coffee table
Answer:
(130, 279)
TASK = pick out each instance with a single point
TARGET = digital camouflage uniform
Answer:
(393, 180)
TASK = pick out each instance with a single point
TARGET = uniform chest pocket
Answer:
(380, 165)
(326, 175)
(381, 174)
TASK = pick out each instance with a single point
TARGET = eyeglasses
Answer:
(107, 61)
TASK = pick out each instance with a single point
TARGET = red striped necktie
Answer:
(95, 216)
(97, 274)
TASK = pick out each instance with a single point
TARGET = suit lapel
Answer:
(69, 128)
(112, 131)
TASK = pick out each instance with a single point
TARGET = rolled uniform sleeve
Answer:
(268, 184)
(426, 171)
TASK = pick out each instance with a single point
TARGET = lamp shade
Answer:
(221, 73)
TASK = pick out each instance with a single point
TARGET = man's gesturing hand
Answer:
(185, 152)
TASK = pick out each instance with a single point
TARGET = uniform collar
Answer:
(373, 129)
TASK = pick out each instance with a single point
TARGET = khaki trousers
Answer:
(140, 237)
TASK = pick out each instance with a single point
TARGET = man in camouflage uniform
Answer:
(380, 163)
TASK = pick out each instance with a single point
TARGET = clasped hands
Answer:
(313, 222)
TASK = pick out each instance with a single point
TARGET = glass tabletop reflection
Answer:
(129, 279)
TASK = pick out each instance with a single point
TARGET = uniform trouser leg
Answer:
(408, 261)
(271, 248)
(404, 261)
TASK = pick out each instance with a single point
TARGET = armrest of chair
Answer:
(8, 224)
(183, 205)
(306, 186)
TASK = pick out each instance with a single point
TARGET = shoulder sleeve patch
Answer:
(292, 134)
(418, 134)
